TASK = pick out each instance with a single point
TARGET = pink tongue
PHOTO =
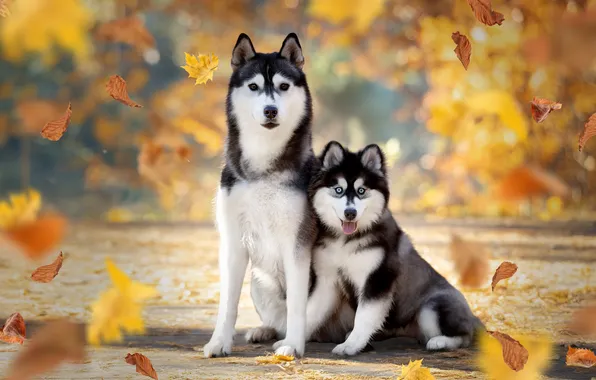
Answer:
(349, 227)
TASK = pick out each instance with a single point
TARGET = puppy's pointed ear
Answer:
(332, 155)
(243, 51)
(373, 159)
(292, 51)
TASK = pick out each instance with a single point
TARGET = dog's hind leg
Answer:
(270, 306)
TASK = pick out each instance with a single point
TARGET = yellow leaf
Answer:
(415, 371)
(20, 208)
(274, 359)
(118, 309)
(490, 358)
(201, 67)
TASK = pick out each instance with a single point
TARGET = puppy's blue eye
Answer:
(253, 87)
(361, 191)
(338, 190)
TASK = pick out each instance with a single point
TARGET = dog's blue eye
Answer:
(253, 87)
(339, 190)
(361, 191)
(284, 86)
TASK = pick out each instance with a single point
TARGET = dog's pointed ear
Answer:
(243, 51)
(292, 51)
(332, 155)
(373, 159)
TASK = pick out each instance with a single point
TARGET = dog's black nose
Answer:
(270, 112)
(350, 213)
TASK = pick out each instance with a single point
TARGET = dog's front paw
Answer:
(217, 346)
(346, 349)
(260, 334)
(287, 348)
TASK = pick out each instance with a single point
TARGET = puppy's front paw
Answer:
(217, 346)
(346, 349)
(287, 348)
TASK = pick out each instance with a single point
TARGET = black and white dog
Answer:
(262, 210)
(362, 254)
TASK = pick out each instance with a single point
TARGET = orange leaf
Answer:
(484, 13)
(144, 366)
(116, 87)
(463, 50)
(504, 271)
(583, 321)
(47, 273)
(14, 329)
(530, 180)
(471, 261)
(588, 132)
(580, 357)
(128, 30)
(54, 130)
(38, 237)
(514, 354)
(542, 107)
(57, 341)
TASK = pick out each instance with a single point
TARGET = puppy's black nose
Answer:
(270, 112)
(350, 213)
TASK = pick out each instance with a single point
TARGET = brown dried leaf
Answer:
(14, 329)
(116, 88)
(588, 132)
(514, 354)
(46, 273)
(542, 107)
(503, 272)
(583, 321)
(470, 260)
(38, 237)
(484, 13)
(144, 366)
(463, 50)
(59, 340)
(128, 30)
(580, 357)
(54, 130)
(4, 11)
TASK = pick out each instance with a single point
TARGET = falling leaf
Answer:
(580, 357)
(484, 13)
(38, 237)
(514, 354)
(119, 308)
(542, 107)
(128, 30)
(583, 321)
(504, 271)
(415, 371)
(57, 341)
(116, 88)
(4, 11)
(527, 181)
(471, 261)
(46, 273)
(588, 132)
(201, 67)
(144, 366)
(463, 50)
(274, 359)
(13, 330)
(54, 130)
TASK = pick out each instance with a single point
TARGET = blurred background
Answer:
(459, 143)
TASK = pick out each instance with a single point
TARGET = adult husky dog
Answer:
(262, 211)
(362, 254)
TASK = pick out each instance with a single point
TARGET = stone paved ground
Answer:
(557, 274)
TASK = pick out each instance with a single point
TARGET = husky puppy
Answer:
(362, 254)
(262, 210)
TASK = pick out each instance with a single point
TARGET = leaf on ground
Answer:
(470, 260)
(119, 308)
(38, 237)
(128, 30)
(144, 366)
(484, 12)
(415, 371)
(463, 50)
(583, 321)
(542, 107)
(514, 354)
(4, 11)
(527, 181)
(201, 67)
(19, 209)
(503, 272)
(274, 359)
(580, 357)
(116, 88)
(47, 273)
(14, 329)
(54, 130)
(57, 341)
(588, 132)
